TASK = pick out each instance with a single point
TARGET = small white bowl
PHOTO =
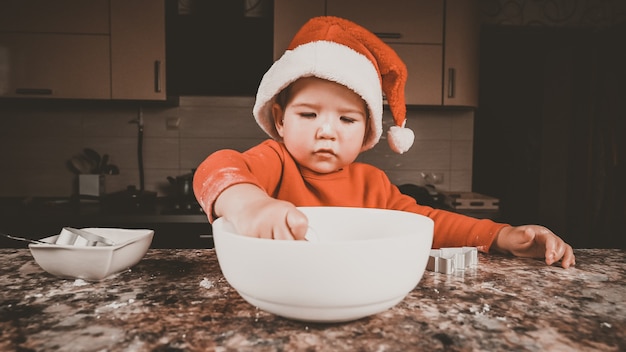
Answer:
(363, 262)
(93, 263)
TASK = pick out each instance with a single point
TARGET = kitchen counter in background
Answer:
(41, 217)
(178, 300)
(177, 222)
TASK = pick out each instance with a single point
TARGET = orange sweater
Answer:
(270, 167)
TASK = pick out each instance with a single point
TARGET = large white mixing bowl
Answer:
(364, 261)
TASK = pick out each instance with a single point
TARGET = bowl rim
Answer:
(138, 237)
(221, 223)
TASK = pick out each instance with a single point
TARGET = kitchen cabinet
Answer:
(438, 41)
(461, 53)
(58, 16)
(289, 16)
(50, 65)
(138, 50)
(54, 49)
(71, 49)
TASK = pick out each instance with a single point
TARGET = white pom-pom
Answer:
(400, 139)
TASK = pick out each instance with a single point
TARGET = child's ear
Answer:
(278, 114)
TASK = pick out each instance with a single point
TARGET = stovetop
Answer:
(182, 206)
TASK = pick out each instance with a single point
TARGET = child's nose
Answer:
(326, 130)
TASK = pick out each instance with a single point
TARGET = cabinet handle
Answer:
(34, 91)
(451, 81)
(157, 76)
(385, 35)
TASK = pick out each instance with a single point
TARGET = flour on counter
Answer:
(491, 286)
(36, 295)
(477, 311)
(116, 305)
(80, 282)
(206, 283)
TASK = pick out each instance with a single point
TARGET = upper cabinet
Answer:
(72, 49)
(56, 16)
(438, 41)
(461, 53)
(289, 16)
(138, 49)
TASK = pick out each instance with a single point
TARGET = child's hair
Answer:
(282, 98)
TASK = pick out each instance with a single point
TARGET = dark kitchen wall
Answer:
(553, 13)
(550, 129)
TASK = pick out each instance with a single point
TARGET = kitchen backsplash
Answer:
(38, 140)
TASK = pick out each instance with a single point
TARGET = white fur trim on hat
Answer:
(327, 60)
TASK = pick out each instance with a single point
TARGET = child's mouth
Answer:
(324, 153)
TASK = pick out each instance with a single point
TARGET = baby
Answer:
(321, 103)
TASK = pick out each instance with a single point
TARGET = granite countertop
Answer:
(178, 300)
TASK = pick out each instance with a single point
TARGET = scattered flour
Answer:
(206, 283)
(116, 305)
(486, 308)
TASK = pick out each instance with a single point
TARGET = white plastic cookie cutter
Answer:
(449, 260)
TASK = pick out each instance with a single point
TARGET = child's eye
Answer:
(347, 119)
(308, 114)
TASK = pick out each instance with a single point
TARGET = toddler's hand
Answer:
(534, 241)
(253, 213)
(272, 219)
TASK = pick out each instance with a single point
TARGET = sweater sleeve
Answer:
(456, 230)
(451, 229)
(261, 166)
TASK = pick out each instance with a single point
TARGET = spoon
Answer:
(23, 239)
(92, 239)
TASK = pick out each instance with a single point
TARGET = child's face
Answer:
(323, 124)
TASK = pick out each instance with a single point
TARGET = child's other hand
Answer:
(533, 241)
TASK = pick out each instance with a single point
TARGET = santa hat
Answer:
(341, 51)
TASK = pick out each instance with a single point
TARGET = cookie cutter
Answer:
(449, 260)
